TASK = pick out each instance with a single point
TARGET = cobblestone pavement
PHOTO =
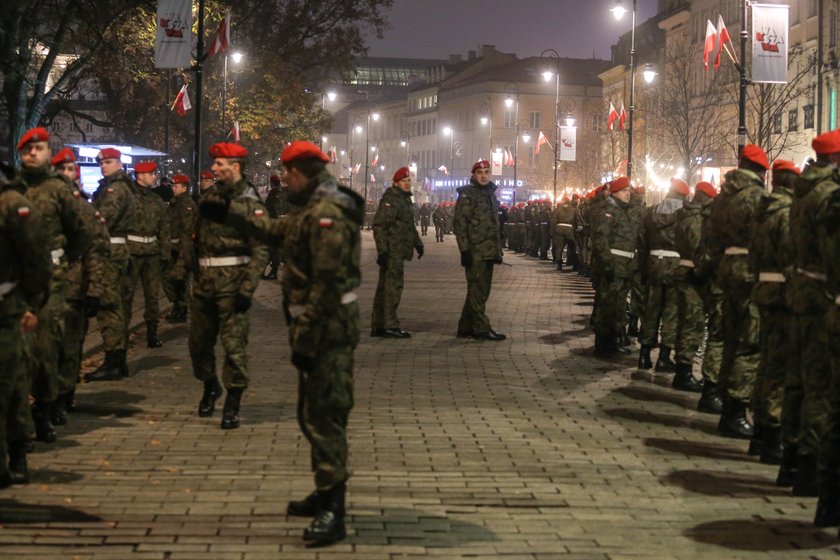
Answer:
(525, 449)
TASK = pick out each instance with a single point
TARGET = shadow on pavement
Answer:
(707, 450)
(670, 420)
(408, 527)
(650, 393)
(149, 363)
(554, 338)
(761, 534)
(12, 511)
(732, 485)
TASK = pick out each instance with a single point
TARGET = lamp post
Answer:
(547, 75)
(331, 95)
(375, 117)
(237, 58)
(447, 131)
(510, 101)
(486, 119)
(618, 11)
(354, 130)
(526, 137)
(405, 142)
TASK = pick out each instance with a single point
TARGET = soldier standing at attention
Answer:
(563, 229)
(183, 217)
(396, 240)
(205, 181)
(148, 244)
(439, 219)
(230, 264)
(477, 232)
(425, 216)
(277, 206)
(116, 204)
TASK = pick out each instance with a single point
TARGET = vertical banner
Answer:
(173, 37)
(769, 43)
(495, 163)
(568, 143)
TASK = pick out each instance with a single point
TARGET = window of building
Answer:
(777, 123)
(88, 127)
(793, 120)
(434, 126)
(808, 116)
(535, 119)
(832, 28)
(510, 118)
(597, 122)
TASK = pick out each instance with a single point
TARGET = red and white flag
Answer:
(723, 38)
(508, 158)
(541, 139)
(622, 117)
(332, 154)
(375, 160)
(221, 43)
(356, 168)
(711, 41)
(612, 117)
(372, 178)
(182, 102)
(234, 132)
(444, 169)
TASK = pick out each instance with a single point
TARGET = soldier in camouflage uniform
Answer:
(563, 229)
(205, 181)
(183, 217)
(277, 206)
(544, 224)
(728, 240)
(24, 284)
(115, 201)
(582, 234)
(477, 233)
(438, 219)
(425, 218)
(70, 238)
(396, 241)
(148, 244)
(638, 291)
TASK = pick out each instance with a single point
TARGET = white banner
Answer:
(568, 143)
(769, 43)
(496, 163)
(173, 39)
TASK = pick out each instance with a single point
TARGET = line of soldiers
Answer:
(535, 229)
(746, 280)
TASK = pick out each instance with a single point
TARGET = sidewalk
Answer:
(524, 449)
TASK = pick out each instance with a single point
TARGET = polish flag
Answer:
(333, 154)
(612, 117)
(234, 132)
(356, 168)
(375, 160)
(221, 43)
(711, 40)
(724, 38)
(444, 169)
(541, 139)
(622, 117)
(182, 102)
(508, 158)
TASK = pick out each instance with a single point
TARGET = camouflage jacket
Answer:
(828, 230)
(183, 220)
(807, 291)
(276, 202)
(613, 238)
(771, 252)
(150, 234)
(115, 201)
(393, 225)
(657, 247)
(687, 235)
(439, 217)
(477, 222)
(84, 276)
(563, 218)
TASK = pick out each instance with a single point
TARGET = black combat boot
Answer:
(17, 462)
(59, 410)
(618, 346)
(178, 315)
(710, 398)
(828, 506)
(644, 358)
(123, 354)
(328, 525)
(230, 412)
(756, 441)
(633, 329)
(44, 430)
(152, 340)
(805, 482)
(625, 340)
(771, 448)
(70, 399)
(212, 392)
(684, 380)
(602, 347)
(307, 507)
(788, 468)
(664, 364)
(733, 421)
(110, 370)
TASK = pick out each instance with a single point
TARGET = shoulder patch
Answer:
(110, 189)
(386, 204)
(258, 212)
(76, 194)
(23, 211)
(607, 215)
(325, 222)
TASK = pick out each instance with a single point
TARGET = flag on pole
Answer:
(611, 117)
(711, 41)
(375, 160)
(332, 154)
(622, 117)
(356, 168)
(221, 43)
(541, 139)
(723, 39)
(444, 169)
(182, 102)
(234, 132)
(372, 178)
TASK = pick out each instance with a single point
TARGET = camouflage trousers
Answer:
(806, 400)
(609, 315)
(145, 270)
(215, 318)
(638, 295)
(563, 239)
(828, 459)
(773, 336)
(176, 288)
(713, 308)
(112, 318)
(19, 419)
(659, 320)
(544, 241)
(439, 232)
(48, 343)
(75, 328)
(739, 366)
(691, 322)
(389, 290)
(10, 357)
(479, 281)
(325, 398)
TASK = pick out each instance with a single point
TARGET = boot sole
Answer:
(320, 540)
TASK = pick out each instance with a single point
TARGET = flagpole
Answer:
(166, 120)
(742, 69)
(198, 95)
(820, 39)
(632, 94)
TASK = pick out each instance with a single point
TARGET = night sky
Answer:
(438, 28)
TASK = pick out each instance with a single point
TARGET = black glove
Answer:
(382, 260)
(466, 259)
(92, 306)
(420, 250)
(214, 208)
(241, 303)
(497, 259)
(303, 363)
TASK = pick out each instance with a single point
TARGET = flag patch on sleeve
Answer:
(23, 211)
(325, 222)
(258, 212)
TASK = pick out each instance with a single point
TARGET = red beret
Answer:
(207, 175)
(33, 135)
(756, 155)
(108, 153)
(401, 174)
(640, 190)
(275, 179)
(66, 155)
(145, 167)
(181, 179)
(785, 165)
(301, 149)
(480, 164)
(706, 188)
(228, 150)
(827, 143)
(619, 184)
(575, 197)
(679, 186)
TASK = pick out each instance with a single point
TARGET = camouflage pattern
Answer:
(425, 218)
(395, 235)
(638, 291)
(544, 228)
(730, 221)
(149, 247)
(563, 232)
(277, 205)
(439, 219)
(691, 316)
(477, 232)
(183, 219)
(216, 287)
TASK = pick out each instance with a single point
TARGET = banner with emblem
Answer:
(173, 37)
(568, 143)
(769, 43)
(496, 164)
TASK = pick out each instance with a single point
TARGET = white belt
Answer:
(814, 275)
(661, 253)
(687, 262)
(56, 255)
(621, 253)
(5, 288)
(223, 261)
(141, 239)
(736, 251)
(772, 277)
(118, 240)
(297, 309)
(567, 225)
(175, 241)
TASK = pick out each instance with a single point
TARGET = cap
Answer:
(827, 143)
(785, 165)
(181, 179)
(275, 179)
(679, 186)
(756, 155)
(33, 135)
(207, 175)
(706, 188)
(619, 184)
(301, 149)
(108, 153)
(145, 167)
(401, 174)
(66, 155)
(480, 164)
(228, 150)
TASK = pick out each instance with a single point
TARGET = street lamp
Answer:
(512, 89)
(547, 75)
(618, 11)
(405, 142)
(649, 73)
(447, 131)
(354, 130)
(237, 58)
(329, 95)
(375, 116)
